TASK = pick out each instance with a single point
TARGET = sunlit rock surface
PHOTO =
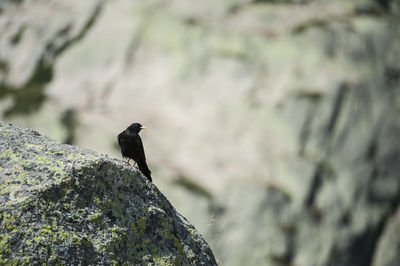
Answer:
(60, 204)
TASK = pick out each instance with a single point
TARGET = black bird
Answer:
(132, 147)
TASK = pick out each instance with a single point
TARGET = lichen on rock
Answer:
(61, 204)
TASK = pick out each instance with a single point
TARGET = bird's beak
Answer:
(142, 127)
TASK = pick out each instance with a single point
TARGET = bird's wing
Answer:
(138, 143)
(123, 139)
(132, 143)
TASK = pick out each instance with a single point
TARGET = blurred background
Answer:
(273, 126)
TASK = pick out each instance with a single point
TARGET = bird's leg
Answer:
(128, 160)
(134, 164)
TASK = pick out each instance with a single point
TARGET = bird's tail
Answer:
(145, 170)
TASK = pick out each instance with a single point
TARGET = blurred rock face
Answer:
(273, 125)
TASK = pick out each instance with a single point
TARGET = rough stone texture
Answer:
(271, 124)
(60, 204)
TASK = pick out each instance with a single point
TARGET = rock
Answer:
(63, 204)
(387, 251)
(283, 116)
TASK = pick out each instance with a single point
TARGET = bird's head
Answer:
(136, 127)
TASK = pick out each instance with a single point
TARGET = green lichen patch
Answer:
(65, 205)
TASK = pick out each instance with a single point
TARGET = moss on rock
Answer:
(64, 205)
